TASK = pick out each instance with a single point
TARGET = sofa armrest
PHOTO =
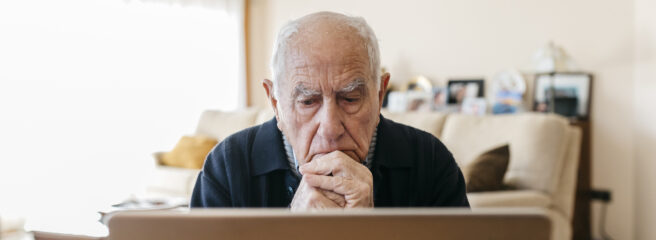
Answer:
(514, 198)
(565, 194)
(167, 181)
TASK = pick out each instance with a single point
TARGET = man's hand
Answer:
(349, 179)
(308, 197)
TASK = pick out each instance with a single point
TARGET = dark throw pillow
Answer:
(486, 172)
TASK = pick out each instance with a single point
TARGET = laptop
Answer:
(378, 224)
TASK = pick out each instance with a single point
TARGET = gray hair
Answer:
(363, 29)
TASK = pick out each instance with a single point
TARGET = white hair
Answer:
(363, 29)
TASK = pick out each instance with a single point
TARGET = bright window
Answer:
(89, 89)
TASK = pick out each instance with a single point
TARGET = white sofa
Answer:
(544, 155)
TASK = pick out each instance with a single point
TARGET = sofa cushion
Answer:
(515, 198)
(486, 172)
(189, 152)
(220, 125)
(538, 145)
(430, 122)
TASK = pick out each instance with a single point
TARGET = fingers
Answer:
(335, 163)
(351, 183)
(319, 166)
(336, 184)
(308, 197)
(312, 200)
(336, 198)
(356, 193)
(318, 200)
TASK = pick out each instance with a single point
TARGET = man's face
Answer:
(328, 99)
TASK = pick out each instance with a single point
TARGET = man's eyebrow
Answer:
(355, 84)
(301, 90)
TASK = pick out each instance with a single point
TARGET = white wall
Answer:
(645, 116)
(449, 38)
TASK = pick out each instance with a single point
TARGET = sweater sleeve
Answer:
(209, 190)
(450, 187)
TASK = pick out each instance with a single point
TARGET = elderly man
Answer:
(328, 146)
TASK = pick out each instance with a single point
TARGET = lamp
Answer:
(552, 58)
(549, 60)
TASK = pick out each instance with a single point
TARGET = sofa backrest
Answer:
(538, 145)
(538, 142)
(431, 122)
(220, 124)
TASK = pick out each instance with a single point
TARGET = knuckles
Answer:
(313, 197)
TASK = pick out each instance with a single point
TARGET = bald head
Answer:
(326, 37)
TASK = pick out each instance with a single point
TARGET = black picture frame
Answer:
(564, 93)
(456, 86)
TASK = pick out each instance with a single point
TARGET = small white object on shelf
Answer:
(552, 58)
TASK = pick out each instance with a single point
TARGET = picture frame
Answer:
(566, 93)
(439, 98)
(474, 106)
(460, 89)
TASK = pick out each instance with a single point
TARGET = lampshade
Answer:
(552, 58)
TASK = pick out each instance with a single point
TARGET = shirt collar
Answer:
(268, 150)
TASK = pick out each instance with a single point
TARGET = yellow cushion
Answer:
(189, 152)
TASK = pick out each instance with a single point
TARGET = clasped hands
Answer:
(334, 180)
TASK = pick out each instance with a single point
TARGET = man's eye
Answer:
(307, 102)
(351, 99)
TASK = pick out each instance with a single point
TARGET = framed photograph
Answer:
(459, 90)
(439, 98)
(474, 106)
(409, 101)
(567, 94)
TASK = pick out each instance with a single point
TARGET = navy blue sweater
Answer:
(411, 168)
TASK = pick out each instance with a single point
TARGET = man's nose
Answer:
(331, 125)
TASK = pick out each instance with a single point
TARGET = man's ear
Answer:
(384, 80)
(268, 87)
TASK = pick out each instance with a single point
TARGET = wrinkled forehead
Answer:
(326, 44)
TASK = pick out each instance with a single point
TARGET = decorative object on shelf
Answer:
(552, 58)
(567, 94)
(415, 95)
(439, 99)
(419, 91)
(508, 87)
(460, 89)
(418, 83)
(474, 106)
(396, 101)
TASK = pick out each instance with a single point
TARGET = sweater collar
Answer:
(268, 150)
